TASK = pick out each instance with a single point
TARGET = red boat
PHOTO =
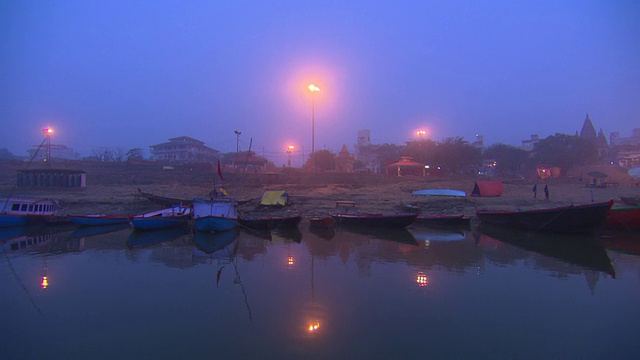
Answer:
(623, 218)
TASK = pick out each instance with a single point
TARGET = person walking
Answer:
(535, 190)
(546, 192)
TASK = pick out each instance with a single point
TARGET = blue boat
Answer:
(218, 214)
(25, 210)
(174, 216)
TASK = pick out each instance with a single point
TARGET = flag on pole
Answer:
(220, 171)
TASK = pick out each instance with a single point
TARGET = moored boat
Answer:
(270, 222)
(321, 222)
(218, 214)
(623, 218)
(25, 210)
(574, 219)
(174, 216)
(395, 221)
(98, 219)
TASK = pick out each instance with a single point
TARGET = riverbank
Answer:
(113, 188)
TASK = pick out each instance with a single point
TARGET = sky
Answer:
(131, 74)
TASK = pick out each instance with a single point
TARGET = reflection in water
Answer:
(628, 243)
(580, 250)
(149, 238)
(210, 243)
(402, 236)
(424, 233)
(87, 231)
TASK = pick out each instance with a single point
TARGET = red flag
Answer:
(220, 170)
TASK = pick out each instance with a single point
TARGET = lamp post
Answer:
(420, 133)
(289, 150)
(313, 90)
(237, 146)
(47, 132)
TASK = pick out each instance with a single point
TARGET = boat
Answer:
(174, 216)
(162, 200)
(26, 210)
(99, 219)
(574, 219)
(396, 221)
(217, 214)
(439, 192)
(321, 222)
(270, 222)
(443, 220)
(623, 218)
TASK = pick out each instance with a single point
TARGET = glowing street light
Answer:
(313, 90)
(47, 132)
(289, 150)
(421, 133)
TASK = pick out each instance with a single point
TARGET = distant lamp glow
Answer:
(47, 132)
(289, 150)
(422, 280)
(314, 327)
(290, 261)
(44, 282)
(421, 133)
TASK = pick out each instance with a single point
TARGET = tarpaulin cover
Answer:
(487, 188)
(272, 198)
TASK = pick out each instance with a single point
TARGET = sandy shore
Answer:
(377, 195)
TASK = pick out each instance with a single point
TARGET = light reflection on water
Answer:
(415, 293)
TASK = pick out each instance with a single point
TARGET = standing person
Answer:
(546, 192)
(535, 190)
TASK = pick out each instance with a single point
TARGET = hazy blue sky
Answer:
(135, 73)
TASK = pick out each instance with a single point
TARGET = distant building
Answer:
(588, 131)
(626, 151)
(183, 149)
(479, 143)
(531, 142)
(616, 140)
(365, 152)
(344, 160)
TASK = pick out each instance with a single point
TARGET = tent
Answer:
(487, 188)
(274, 198)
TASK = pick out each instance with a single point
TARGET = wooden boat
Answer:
(270, 222)
(25, 210)
(321, 222)
(574, 219)
(99, 219)
(218, 214)
(623, 218)
(174, 216)
(162, 200)
(374, 220)
(443, 220)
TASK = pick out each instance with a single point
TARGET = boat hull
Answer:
(627, 218)
(443, 220)
(578, 219)
(159, 223)
(374, 220)
(215, 223)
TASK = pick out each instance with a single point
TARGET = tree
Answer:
(565, 151)
(507, 157)
(456, 154)
(135, 153)
(422, 151)
(322, 160)
(118, 154)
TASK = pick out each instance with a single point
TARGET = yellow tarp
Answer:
(271, 198)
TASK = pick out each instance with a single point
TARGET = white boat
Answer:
(25, 210)
(438, 192)
(218, 214)
(174, 216)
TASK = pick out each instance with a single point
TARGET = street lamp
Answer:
(47, 132)
(289, 150)
(237, 146)
(420, 133)
(313, 90)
